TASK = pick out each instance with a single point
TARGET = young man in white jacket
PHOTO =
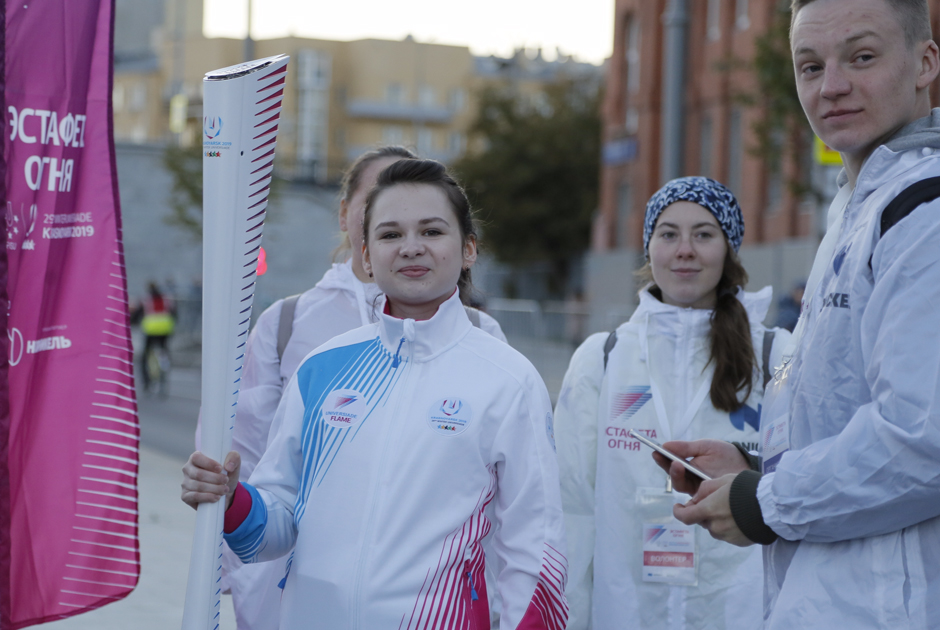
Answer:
(849, 499)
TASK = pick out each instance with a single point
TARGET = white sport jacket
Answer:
(608, 477)
(387, 451)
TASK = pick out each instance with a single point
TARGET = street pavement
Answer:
(167, 426)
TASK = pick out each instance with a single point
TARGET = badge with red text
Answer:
(450, 416)
(669, 553)
(343, 408)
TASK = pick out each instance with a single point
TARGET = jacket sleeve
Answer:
(269, 530)
(530, 539)
(576, 439)
(879, 474)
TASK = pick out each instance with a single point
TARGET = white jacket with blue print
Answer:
(394, 448)
(338, 303)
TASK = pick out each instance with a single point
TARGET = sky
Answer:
(583, 28)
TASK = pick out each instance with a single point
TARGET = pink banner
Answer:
(69, 434)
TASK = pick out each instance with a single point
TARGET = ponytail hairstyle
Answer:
(732, 351)
(352, 179)
(430, 173)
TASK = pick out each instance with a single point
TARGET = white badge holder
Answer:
(668, 552)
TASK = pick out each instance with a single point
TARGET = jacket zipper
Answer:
(363, 554)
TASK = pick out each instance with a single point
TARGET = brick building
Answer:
(716, 140)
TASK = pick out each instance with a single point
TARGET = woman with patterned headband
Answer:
(690, 363)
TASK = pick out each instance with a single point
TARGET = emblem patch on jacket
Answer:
(343, 408)
(450, 416)
(629, 401)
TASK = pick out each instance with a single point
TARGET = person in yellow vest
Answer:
(157, 321)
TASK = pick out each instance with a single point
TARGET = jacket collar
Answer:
(408, 339)
(668, 318)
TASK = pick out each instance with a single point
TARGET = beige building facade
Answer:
(340, 98)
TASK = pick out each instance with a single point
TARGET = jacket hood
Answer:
(756, 304)
(340, 277)
(923, 133)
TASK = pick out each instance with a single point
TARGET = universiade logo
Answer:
(451, 407)
(212, 127)
(449, 416)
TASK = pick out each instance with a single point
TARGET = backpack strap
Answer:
(285, 325)
(768, 345)
(609, 345)
(907, 200)
(474, 315)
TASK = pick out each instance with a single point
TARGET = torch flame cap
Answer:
(242, 69)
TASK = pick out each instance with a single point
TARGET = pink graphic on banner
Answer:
(69, 434)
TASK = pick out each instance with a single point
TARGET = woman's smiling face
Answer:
(415, 250)
(687, 255)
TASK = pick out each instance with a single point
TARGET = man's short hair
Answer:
(914, 16)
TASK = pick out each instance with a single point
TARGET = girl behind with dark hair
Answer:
(398, 444)
(690, 363)
(343, 299)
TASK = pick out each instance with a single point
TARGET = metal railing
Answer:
(567, 321)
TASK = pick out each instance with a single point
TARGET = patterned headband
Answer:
(711, 195)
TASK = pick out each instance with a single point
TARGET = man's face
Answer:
(857, 79)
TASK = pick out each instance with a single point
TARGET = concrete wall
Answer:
(611, 287)
(300, 233)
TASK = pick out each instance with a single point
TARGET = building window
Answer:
(713, 20)
(457, 99)
(705, 148)
(735, 151)
(426, 96)
(741, 19)
(395, 93)
(624, 209)
(425, 143)
(633, 56)
(393, 134)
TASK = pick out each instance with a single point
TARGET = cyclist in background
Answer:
(157, 317)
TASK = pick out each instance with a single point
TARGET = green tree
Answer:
(782, 132)
(534, 176)
(185, 166)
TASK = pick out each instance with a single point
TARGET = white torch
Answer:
(242, 105)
